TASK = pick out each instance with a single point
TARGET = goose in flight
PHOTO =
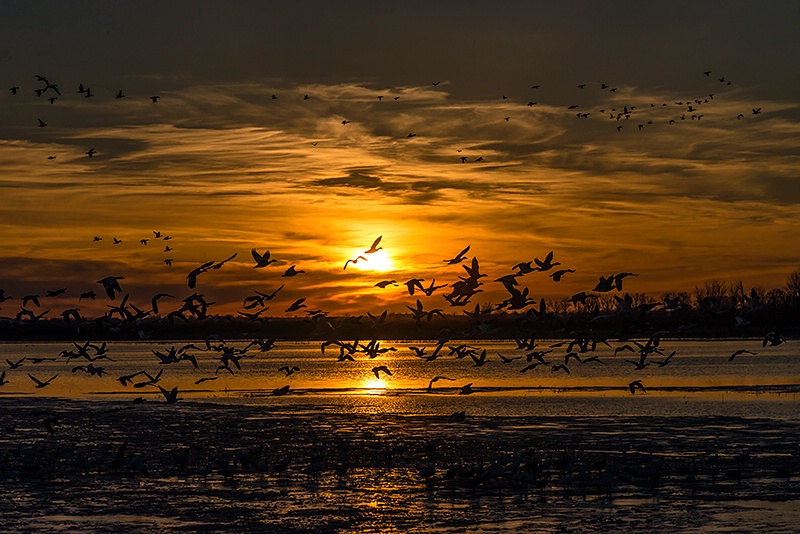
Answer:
(289, 370)
(772, 339)
(262, 260)
(461, 256)
(170, 396)
(374, 247)
(280, 391)
(634, 385)
(381, 368)
(154, 301)
(291, 271)
(55, 292)
(31, 298)
(15, 365)
(436, 379)
(42, 384)
(414, 283)
(548, 262)
(3, 380)
(296, 305)
(385, 283)
(353, 261)
(111, 285)
(42, 124)
(506, 359)
(120, 94)
(556, 275)
(154, 98)
(91, 152)
(194, 273)
(738, 352)
(481, 360)
(466, 389)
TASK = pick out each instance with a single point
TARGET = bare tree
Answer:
(793, 283)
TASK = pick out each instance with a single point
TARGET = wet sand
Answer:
(197, 466)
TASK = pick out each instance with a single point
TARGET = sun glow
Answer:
(377, 261)
(375, 384)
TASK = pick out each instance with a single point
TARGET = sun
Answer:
(377, 261)
(375, 385)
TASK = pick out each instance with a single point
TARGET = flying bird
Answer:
(634, 385)
(374, 247)
(291, 271)
(296, 305)
(436, 379)
(111, 285)
(379, 369)
(262, 260)
(461, 256)
(42, 384)
(353, 261)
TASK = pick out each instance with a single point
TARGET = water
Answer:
(711, 445)
(699, 373)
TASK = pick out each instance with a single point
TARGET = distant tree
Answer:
(793, 283)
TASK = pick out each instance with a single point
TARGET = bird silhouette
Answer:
(461, 256)
(381, 369)
(291, 271)
(436, 379)
(634, 385)
(42, 384)
(262, 260)
(374, 247)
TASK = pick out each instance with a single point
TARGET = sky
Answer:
(589, 129)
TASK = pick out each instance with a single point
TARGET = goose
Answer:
(547, 264)
(738, 352)
(291, 271)
(170, 396)
(15, 365)
(42, 384)
(381, 369)
(262, 260)
(506, 359)
(481, 360)
(436, 379)
(296, 305)
(634, 385)
(280, 391)
(556, 276)
(111, 285)
(353, 261)
(374, 247)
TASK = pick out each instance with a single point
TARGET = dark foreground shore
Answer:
(88, 466)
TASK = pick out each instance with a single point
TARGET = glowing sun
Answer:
(377, 261)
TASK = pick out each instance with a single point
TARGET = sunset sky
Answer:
(222, 167)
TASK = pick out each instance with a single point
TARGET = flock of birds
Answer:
(127, 316)
(580, 342)
(621, 114)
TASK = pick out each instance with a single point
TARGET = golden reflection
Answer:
(375, 385)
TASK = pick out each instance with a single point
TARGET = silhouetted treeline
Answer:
(714, 310)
